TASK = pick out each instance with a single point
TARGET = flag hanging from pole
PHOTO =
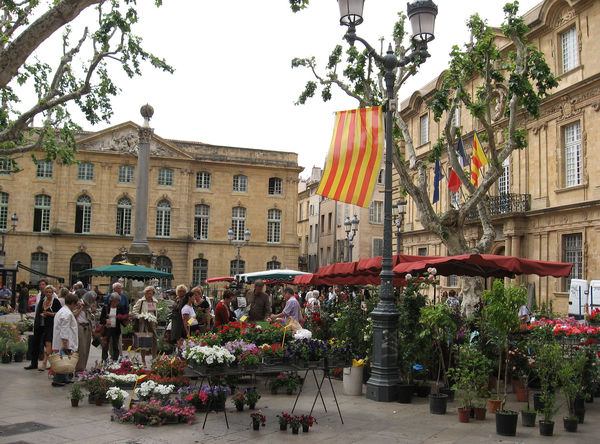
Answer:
(454, 182)
(437, 178)
(477, 161)
(354, 156)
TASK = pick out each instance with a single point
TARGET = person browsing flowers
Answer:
(190, 323)
(145, 311)
(222, 311)
(291, 309)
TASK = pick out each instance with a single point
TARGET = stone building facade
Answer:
(547, 204)
(78, 216)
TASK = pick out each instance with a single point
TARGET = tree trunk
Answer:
(472, 289)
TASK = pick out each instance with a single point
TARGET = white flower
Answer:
(208, 355)
(120, 378)
(408, 277)
(148, 317)
(115, 393)
(433, 271)
(303, 334)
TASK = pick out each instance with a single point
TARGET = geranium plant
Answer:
(258, 417)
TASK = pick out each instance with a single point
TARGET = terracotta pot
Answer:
(480, 413)
(98, 401)
(522, 394)
(74, 402)
(495, 404)
(464, 413)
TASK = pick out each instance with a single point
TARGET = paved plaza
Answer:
(27, 396)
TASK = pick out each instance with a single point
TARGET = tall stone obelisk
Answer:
(139, 252)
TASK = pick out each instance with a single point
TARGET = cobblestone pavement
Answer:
(27, 396)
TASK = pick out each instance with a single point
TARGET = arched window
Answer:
(163, 263)
(238, 223)
(273, 265)
(240, 183)
(203, 180)
(39, 262)
(201, 219)
(163, 219)
(124, 217)
(80, 261)
(165, 177)
(83, 215)
(274, 226)
(3, 211)
(275, 186)
(199, 271)
(41, 213)
(235, 268)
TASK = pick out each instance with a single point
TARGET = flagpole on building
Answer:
(382, 385)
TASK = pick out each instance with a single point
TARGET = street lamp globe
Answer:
(351, 12)
(14, 220)
(230, 234)
(247, 235)
(422, 15)
(347, 225)
(401, 208)
(355, 222)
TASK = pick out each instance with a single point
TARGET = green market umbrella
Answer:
(267, 275)
(126, 270)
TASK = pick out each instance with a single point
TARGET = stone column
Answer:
(139, 252)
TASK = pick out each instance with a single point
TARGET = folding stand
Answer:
(319, 393)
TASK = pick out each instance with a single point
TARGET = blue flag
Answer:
(437, 178)
(462, 156)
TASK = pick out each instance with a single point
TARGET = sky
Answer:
(233, 83)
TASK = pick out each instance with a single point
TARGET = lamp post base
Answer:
(382, 393)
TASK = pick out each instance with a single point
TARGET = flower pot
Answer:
(295, 430)
(506, 423)
(6, 358)
(74, 402)
(522, 394)
(570, 424)
(438, 404)
(495, 404)
(289, 391)
(171, 420)
(546, 428)
(98, 400)
(516, 384)
(252, 406)
(423, 391)
(528, 419)
(255, 425)
(273, 391)
(447, 391)
(91, 399)
(480, 413)
(538, 404)
(117, 404)
(305, 428)
(283, 427)
(239, 407)
(139, 419)
(18, 357)
(580, 413)
(405, 393)
(464, 413)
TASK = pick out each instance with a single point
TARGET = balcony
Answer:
(506, 204)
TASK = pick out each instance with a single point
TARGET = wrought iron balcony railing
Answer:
(506, 204)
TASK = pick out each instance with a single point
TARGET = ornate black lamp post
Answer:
(351, 227)
(398, 212)
(14, 220)
(384, 370)
(238, 244)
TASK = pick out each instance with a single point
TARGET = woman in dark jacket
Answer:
(23, 298)
(109, 318)
(177, 328)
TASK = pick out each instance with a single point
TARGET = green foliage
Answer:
(298, 5)
(570, 376)
(350, 324)
(549, 361)
(470, 376)
(83, 79)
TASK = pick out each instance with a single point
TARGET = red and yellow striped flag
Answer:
(477, 161)
(354, 156)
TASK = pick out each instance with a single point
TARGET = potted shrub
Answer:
(290, 382)
(18, 350)
(76, 394)
(5, 353)
(499, 318)
(258, 419)
(548, 363)
(274, 384)
(570, 377)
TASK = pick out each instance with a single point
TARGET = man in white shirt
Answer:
(64, 338)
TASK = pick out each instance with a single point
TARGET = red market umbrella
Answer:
(484, 265)
(220, 279)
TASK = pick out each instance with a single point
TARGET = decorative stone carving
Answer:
(82, 248)
(126, 141)
(123, 249)
(162, 252)
(273, 258)
(39, 249)
(536, 129)
(499, 94)
(200, 255)
(567, 16)
(596, 106)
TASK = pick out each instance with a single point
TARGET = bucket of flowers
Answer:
(116, 396)
(252, 397)
(216, 396)
(306, 352)
(307, 421)
(208, 359)
(239, 399)
(194, 396)
(284, 420)
(272, 354)
(258, 419)
(150, 389)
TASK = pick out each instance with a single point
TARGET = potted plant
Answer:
(290, 382)
(76, 394)
(5, 353)
(127, 335)
(18, 349)
(116, 396)
(284, 420)
(307, 421)
(97, 387)
(548, 363)
(294, 423)
(258, 419)
(479, 409)
(274, 384)
(499, 318)
(570, 376)
(506, 422)
(239, 399)
(252, 397)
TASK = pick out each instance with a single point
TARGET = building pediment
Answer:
(124, 139)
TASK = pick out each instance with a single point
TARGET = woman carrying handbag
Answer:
(109, 319)
(144, 313)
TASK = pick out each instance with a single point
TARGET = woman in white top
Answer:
(147, 305)
(190, 322)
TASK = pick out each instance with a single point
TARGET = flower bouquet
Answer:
(306, 351)
(239, 399)
(258, 419)
(216, 396)
(307, 421)
(116, 396)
